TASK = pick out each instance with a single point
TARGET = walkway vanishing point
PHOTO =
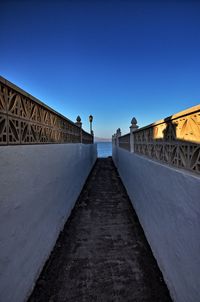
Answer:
(102, 254)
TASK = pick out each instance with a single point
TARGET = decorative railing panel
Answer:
(124, 141)
(25, 120)
(175, 140)
(87, 138)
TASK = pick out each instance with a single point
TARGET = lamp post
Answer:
(90, 120)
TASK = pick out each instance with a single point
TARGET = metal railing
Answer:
(26, 120)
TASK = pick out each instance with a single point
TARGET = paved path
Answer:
(102, 254)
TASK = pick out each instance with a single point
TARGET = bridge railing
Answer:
(26, 120)
(174, 140)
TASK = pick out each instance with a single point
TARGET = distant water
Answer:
(104, 149)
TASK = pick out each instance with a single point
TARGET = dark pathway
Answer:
(102, 254)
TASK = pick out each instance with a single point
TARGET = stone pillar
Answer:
(114, 139)
(79, 124)
(118, 134)
(133, 128)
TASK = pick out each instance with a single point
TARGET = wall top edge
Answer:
(155, 162)
(127, 134)
(191, 110)
(18, 89)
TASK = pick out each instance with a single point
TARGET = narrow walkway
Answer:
(102, 254)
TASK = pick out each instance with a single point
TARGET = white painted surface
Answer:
(39, 186)
(167, 202)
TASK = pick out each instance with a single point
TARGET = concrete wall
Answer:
(167, 202)
(38, 188)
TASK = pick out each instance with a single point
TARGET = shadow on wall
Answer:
(173, 141)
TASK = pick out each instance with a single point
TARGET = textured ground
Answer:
(102, 254)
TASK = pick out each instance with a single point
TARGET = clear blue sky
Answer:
(111, 59)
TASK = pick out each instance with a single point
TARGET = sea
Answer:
(104, 149)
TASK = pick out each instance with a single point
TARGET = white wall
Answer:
(167, 202)
(38, 188)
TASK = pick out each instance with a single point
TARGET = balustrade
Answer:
(174, 140)
(26, 120)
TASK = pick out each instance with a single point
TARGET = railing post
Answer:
(79, 124)
(133, 128)
(118, 134)
(114, 139)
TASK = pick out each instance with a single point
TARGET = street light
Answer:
(90, 120)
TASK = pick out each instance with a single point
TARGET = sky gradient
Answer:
(111, 59)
